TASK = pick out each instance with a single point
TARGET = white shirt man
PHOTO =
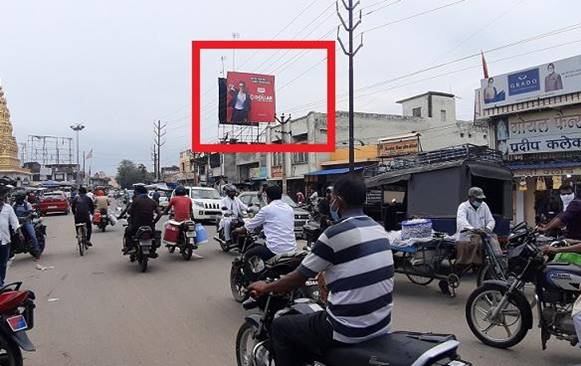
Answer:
(473, 214)
(7, 219)
(236, 208)
(278, 222)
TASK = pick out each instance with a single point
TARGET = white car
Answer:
(205, 203)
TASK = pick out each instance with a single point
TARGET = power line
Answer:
(303, 73)
(381, 8)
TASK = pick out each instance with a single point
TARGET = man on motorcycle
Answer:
(571, 217)
(141, 213)
(83, 207)
(181, 204)
(102, 202)
(232, 204)
(278, 222)
(356, 259)
(8, 220)
(24, 211)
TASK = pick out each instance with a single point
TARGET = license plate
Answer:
(145, 243)
(52, 206)
(191, 234)
(17, 323)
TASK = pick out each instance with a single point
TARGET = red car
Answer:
(52, 202)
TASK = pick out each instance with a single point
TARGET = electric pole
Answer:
(154, 158)
(284, 132)
(159, 140)
(235, 36)
(350, 7)
(78, 128)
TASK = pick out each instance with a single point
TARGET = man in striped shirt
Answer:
(357, 263)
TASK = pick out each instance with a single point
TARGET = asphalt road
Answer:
(100, 310)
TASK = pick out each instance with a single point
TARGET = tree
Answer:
(128, 174)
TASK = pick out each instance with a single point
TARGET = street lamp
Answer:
(78, 128)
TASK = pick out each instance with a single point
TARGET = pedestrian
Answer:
(155, 196)
(8, 220)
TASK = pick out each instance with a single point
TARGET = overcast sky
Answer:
(116, 66)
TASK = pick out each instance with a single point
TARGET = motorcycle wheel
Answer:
(245, 343)
(236, 284)
(10, 354)
(143, 261)
(481, 302)
(187, 252)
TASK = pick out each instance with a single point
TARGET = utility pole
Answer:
(78, 128)
(284, 132)
(159, 140)
(235, 36)
(350, 7)
(154, 158)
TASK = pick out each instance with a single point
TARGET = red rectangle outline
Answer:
(197, 145)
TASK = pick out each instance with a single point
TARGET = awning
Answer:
(490, 171)
(333, 171)
(381, 180)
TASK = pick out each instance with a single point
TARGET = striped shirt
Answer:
(356, 257)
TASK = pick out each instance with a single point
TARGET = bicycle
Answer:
(81, 230)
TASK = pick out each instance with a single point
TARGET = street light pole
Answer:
(351, 54)
(78, 128)
(284, 131)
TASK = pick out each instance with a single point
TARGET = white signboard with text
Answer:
(549, 80)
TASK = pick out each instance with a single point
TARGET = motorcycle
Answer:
(501, 305)
(16, 317)
(236, 242)
(18, 246)
(253, 346)
(185, 240)
(101, 219)
(143, 246)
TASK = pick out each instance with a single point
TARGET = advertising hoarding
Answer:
(246, 98)
(388, 148)
(548, 80)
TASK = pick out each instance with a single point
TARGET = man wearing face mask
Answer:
(571, 215)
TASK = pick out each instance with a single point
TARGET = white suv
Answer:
(205, 203)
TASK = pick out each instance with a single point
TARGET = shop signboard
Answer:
(276, 171)
(544, 134)
(548, 80)
(388, 148)
(259, 172)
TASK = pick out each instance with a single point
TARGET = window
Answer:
(300, 158)
(417, 112)
(443, 115)
(276, 159)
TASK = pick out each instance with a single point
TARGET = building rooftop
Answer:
(440, 94)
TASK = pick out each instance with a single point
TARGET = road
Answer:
(100, 310)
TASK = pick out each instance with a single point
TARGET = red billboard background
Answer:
(260, 103)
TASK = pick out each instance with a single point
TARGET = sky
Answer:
(118, 66)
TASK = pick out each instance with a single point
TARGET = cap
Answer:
(476, 192)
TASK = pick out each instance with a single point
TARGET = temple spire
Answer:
(9, 162)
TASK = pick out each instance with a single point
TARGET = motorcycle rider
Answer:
(278, 221)
(23, 211)
(141, 213)
(357, 263)
(570, 217)
(324, 207)
(181, 204)
(102, 202)
(232, 204)
(83, 207)
(8, 220)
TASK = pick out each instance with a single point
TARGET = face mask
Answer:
(334, 212)
(567, 198)
(476, 204)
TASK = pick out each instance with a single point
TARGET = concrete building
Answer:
(538, 129)
(431, 115)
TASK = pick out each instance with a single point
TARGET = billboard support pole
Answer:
(351, 54)
(284, 132)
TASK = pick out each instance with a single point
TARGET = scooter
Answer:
(254, 346)
(16, 318)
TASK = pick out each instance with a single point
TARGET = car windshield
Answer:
(205, 194)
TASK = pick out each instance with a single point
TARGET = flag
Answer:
(89, 154)
(484, 66)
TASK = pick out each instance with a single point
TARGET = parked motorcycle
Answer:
(181, 235)
(18, 246)
(499, 314)
(253, 346)
(16, 317)
(142, 246)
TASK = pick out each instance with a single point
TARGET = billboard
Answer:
(548, 80)
(246, 99)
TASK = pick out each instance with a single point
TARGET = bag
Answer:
(201, 234)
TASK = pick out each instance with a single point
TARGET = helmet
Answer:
(139, 188)
(180, 191)
(230, 188)
(20, 195)
(5, 188)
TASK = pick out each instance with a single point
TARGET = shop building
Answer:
(535, 121)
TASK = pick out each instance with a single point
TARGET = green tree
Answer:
(128, 174)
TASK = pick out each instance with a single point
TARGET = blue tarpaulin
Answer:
(333, 171)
